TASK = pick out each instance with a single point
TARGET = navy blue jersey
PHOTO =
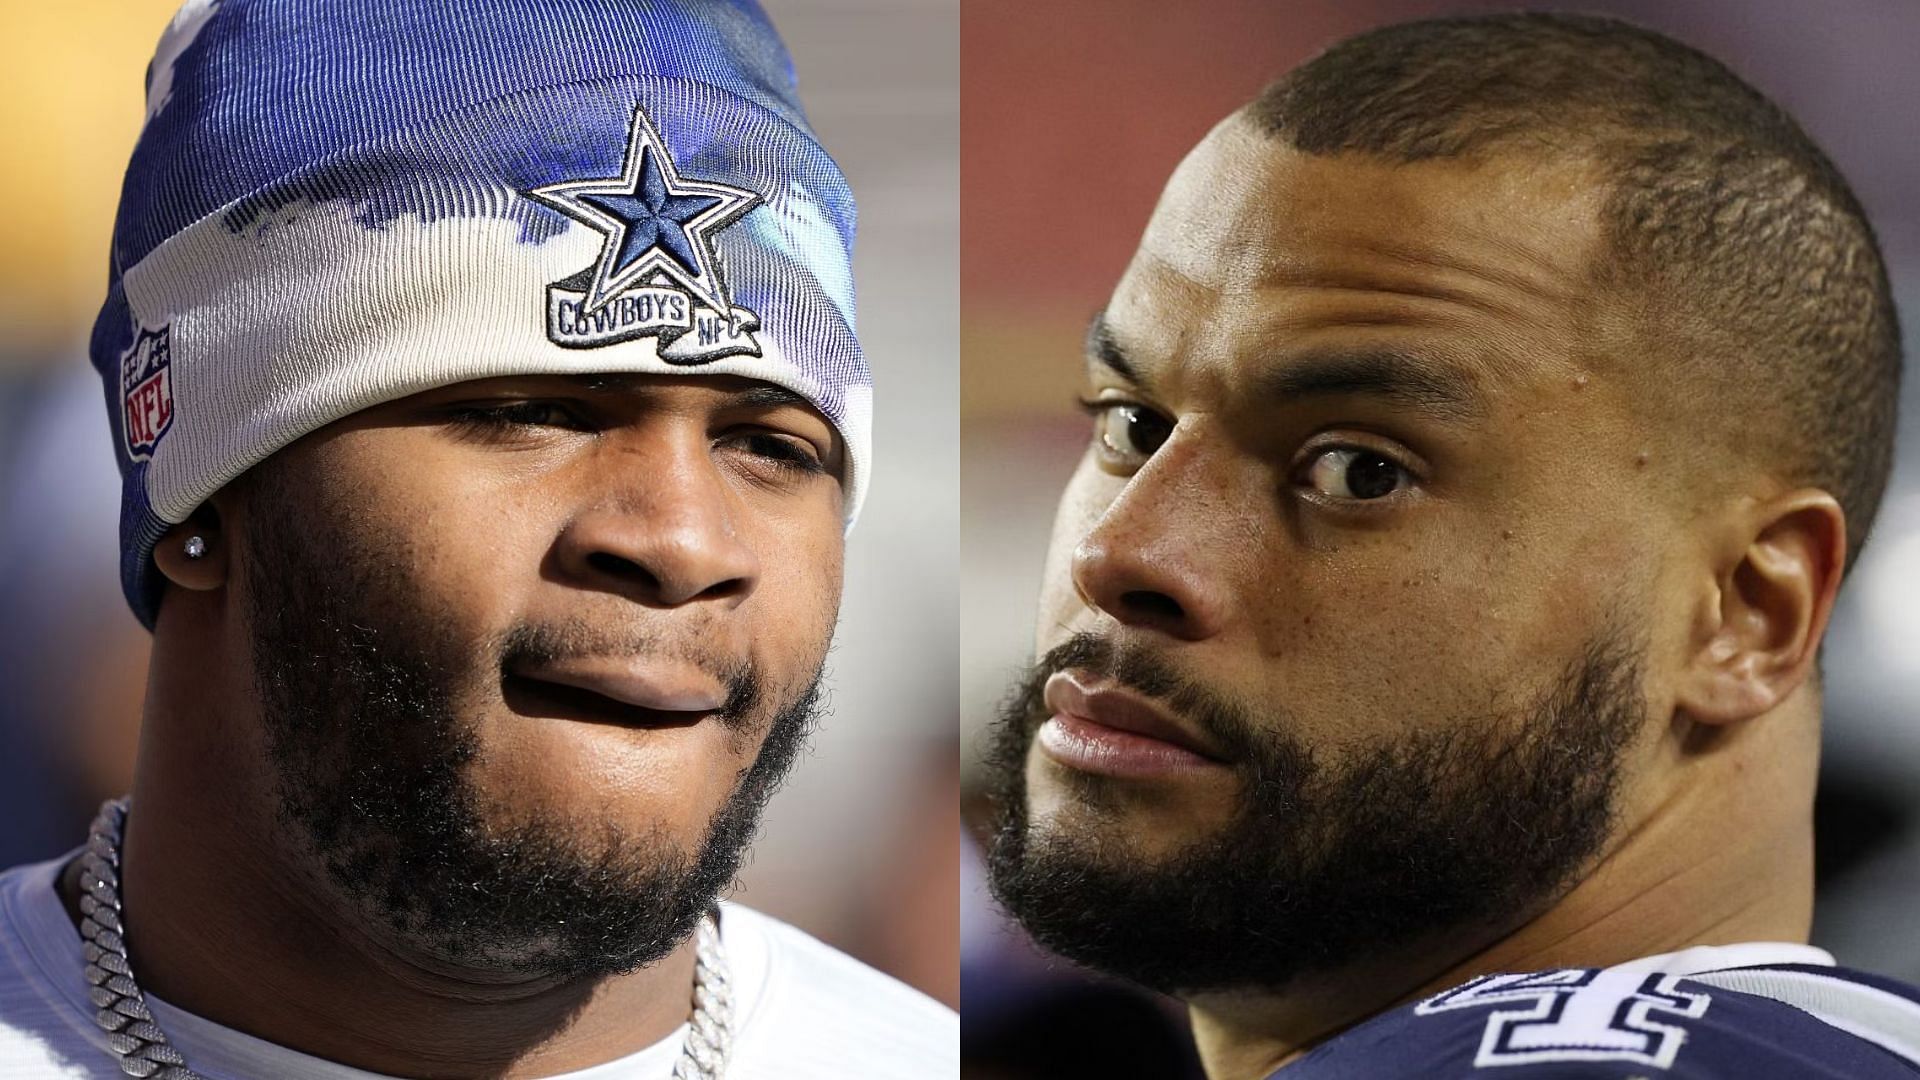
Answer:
(1768, 1022)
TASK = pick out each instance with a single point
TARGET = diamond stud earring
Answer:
(195, 547)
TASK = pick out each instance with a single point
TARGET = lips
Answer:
(626, 690)
(1102, 727)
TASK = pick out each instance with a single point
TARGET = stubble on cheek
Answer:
(351, 597)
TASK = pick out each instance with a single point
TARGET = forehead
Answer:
(1256, 249)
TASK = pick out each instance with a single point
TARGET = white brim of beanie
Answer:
(309, 316)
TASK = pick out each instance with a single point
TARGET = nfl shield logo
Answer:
(146, 391)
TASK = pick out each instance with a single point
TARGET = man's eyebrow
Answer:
(1102, 348)
(758, 396)
(1403, 378)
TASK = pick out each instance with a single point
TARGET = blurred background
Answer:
(1076, 112)
(861, 847)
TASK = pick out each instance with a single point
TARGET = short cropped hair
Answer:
(1751, 267)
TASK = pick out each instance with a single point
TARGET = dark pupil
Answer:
(1370, 476)
(1146, 430)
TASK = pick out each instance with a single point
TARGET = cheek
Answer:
(797, 602)
(1368, 642)
(479, 545)
(1383, 633)
(465, 537)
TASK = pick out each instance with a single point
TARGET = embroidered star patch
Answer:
(657, 274)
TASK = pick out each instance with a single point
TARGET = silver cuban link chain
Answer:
(143, 1049)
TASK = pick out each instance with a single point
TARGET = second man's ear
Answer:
(1776, 592)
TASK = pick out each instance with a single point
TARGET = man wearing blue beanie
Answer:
(485, 387)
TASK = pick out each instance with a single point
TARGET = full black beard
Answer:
(359, 690)
(1449, 827)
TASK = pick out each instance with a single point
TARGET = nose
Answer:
(662, 529)
(1153, 559)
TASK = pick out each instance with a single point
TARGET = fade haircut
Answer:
(1747, 266)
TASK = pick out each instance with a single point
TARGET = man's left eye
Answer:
(1351, 473)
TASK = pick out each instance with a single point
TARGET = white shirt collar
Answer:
(1717, 957)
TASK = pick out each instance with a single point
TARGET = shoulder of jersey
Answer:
(838, 1001)
(1606, 1024)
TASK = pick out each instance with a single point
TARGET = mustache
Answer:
(537, 643)
(1144, 671)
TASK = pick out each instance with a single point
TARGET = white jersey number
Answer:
(1575, 1015)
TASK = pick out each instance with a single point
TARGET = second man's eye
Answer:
(1353, 473)
(1129, 432)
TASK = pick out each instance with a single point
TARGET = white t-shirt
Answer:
(801, 1010)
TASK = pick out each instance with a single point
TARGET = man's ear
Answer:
(193, 554)
(1774, 588)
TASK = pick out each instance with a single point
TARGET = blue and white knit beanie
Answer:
(337, 203)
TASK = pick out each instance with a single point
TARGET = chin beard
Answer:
(371, 761)
(1454, 826)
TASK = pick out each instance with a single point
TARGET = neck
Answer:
(1716, 857)
(222, 924)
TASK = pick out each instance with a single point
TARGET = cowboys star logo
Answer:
(657, 274)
